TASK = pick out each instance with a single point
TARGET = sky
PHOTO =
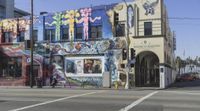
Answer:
(187, 30)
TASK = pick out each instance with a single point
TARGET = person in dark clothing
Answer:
(54, 82)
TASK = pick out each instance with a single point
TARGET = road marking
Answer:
(48, 102)
(135, 103)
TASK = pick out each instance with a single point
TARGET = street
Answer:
(176, 98)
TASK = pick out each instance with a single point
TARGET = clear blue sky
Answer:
(187, 31)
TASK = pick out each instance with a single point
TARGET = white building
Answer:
(153, 41)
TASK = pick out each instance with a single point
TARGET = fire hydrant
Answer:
(116, 84)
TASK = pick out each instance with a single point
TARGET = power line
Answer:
(184, 18)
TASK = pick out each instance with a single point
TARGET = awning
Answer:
(11, 50)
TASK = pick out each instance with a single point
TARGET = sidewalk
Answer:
(81, 88)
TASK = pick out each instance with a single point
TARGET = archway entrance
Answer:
(147, 70)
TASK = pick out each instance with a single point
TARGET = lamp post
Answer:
(32, 46)
(127, 85)
(44, 20)
(44, 14)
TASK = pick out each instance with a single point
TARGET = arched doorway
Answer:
(147, 70)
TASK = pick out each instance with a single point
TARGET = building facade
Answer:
(8, 10)
(81, 46)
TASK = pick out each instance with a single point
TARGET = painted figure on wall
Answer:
(149, 6)
(57, 22)
(92, 66)
(130, 16)
(79, 66)
(86, 19)
(71, 18)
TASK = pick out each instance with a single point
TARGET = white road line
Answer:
(137, 102)
(47, 102)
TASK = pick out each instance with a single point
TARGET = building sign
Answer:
(145, 44)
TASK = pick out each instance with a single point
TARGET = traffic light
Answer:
(132, 64)
(116, 18)
(124, 54)
(28, 44)
(132, 53)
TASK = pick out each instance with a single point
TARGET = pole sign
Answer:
(28, 60)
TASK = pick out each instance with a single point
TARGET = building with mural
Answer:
(80, 46)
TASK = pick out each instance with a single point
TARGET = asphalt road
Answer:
(176, 98)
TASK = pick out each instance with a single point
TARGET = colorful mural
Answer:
(57, 22)
(86, 18)
(112, 58)
(70, 20)
(149, 6)
(90, 47)
(85, 67)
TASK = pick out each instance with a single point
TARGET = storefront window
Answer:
(11, 67)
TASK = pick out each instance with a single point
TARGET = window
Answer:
(6, 37)
(120, 30)
(65, 34)
(79, 33)
(96, 32)
(35, 35)
(49, 34)
(147, 28)
(10, 67)
(21, 36)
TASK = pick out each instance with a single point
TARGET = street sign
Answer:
(28, 60)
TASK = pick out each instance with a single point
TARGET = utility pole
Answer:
(127, 86)
(32, 46)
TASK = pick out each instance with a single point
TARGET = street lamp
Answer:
(44, 20)
(32, 46)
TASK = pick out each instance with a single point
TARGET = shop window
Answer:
(21, 36)
(79, 33)
(65, 34)
(147, 28)
(120, 30)
(7, 38)
(35, 35)
(49, 34)
(96, 32)
(10, 67)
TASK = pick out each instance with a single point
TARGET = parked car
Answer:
(185, 77)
